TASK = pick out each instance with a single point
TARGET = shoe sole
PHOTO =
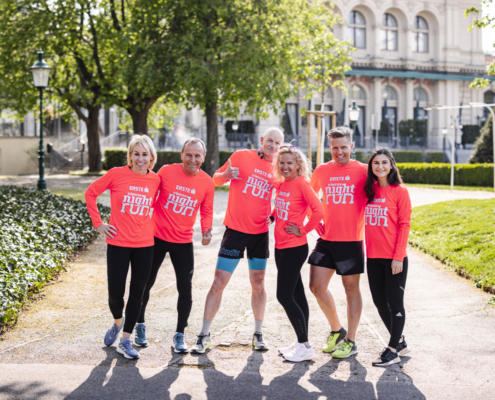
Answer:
(260, 348)
(350, 354)
(301, 360)
(208, 345)
(180, 351)
(404, 351)
(336, 346)
(394, 361)
(120, 351)
(141, 345)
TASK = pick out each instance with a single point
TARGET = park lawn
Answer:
(461, 233)
(433, 186)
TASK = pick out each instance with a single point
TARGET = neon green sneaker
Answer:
(334, 339)
(346, 349)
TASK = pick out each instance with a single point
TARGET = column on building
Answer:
(377, 97)
(409, 100)
(438, 117)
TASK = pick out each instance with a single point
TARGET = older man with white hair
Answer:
(250, 174)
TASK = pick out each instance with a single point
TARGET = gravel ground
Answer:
(56, 350)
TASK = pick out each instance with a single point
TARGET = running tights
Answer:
(118, 259)
(290, 289)
(182, 256)
(387, 291)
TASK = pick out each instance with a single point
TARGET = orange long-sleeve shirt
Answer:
(132, 199)
(181, 196)
(387, 222)
(344, 199)
(291, 204)
(250, 197)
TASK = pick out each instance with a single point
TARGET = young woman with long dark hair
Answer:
(387, 224)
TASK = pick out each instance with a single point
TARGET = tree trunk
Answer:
(94, 151)
(139, 115)
(212, 159)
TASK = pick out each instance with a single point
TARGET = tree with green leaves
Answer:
(230, 53)
(483, 147)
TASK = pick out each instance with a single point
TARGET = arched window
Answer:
(420, 35)
(389, 33)
(357, 93)
(389, 93)
(489, 97)
(357, 29)
(420, 94)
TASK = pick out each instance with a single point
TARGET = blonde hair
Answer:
(147, 143)
(304, 168)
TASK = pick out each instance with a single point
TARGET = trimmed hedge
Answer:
(435, 173)
(39, 232)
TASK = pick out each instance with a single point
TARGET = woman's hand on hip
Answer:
(107, 230)
(293, 229)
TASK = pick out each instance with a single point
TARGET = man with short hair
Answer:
(250, 173)
(340, 248)
(184, 190)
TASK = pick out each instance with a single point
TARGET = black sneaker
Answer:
(388, 357)
(402, 347)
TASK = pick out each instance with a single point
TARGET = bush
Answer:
(483, 148)
(114, 158)
(470, 133)
(39, 232)
(435, 173)
(413, 128)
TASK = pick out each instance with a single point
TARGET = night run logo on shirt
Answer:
(375, 215)
(259, 186)
(138, 204)
(184, 189)
(339, 178)
(282, 208)
(340, 193)
(284, 194)
(139, 189)
(181, 203)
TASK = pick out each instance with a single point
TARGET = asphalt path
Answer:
(56, 349)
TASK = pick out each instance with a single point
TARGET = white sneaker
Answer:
(300, 353)
(258, 342)
(288, 349)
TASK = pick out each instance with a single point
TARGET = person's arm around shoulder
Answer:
(227, 172)
(91, 194)
(206, 213)
(404, 210)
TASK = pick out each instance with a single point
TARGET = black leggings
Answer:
(290, 289)
(182, 256)
(387, 291)
(118, 259)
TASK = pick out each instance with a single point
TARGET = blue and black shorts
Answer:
(234, 243)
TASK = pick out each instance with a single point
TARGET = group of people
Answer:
(363, 207)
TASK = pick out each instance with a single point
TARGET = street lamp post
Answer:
(41, 74)
(353, 117)
(444, 133)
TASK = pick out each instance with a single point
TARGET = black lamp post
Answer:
(353, 117)
(41, 74)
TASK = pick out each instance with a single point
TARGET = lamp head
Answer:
(235, 126)
(445, 131)
(41, 72)
(353, 112)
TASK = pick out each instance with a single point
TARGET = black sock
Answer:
(340, 330)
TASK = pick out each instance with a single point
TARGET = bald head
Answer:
(271, 141)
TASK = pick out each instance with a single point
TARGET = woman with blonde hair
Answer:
(294, 199)
(129, 235)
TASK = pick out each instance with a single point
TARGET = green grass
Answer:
(432, 186)
(460, 233)
(85, 172)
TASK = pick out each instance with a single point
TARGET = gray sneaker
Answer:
(203, 343)
(125, 348)
(178, 343)
(258, 342)
(141, 339)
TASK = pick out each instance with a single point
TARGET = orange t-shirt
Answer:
(132, 199)
(344, 199)
(291, 204)
(181, 196)
(250, 197)
(387, 221)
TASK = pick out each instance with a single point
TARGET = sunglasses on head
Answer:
(290, 147)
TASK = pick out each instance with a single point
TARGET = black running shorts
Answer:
(234, 243)
(346, 258)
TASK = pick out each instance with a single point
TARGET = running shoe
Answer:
(388, 357)
(289, 348)
(141, 339)
(112, 334)
(125, 348)
(334, 340)
(346, 349)
(203, 343)
(178, 343)
(258, 342)
(402, 348)
(300, 353)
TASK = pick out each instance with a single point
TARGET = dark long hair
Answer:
(393, 177)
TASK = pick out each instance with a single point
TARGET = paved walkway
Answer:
(56, 349)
